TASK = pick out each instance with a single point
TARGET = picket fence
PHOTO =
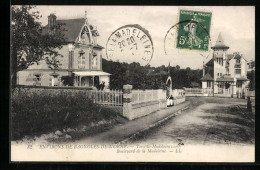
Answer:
(107, 97)
(115, 97)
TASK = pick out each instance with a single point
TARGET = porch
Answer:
(91, 79)
(224, 87)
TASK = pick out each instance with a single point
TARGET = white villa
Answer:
(225, 74)
(82, 57)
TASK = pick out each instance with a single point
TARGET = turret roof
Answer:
(220, 43)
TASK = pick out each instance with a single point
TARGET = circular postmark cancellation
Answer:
(191, 32)
(174, 40)
(130, 43)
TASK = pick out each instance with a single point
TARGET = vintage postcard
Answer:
(132, 83)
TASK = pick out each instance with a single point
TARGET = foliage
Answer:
(68, 80)
(251, 77)
(37, 111)
(29, 43)
(148, 77)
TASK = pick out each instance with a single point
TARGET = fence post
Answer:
(114, 97)
(127, 99)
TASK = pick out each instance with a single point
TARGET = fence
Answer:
(107, 97)
(130, 103)
(198, 91)
(143, 96)
(138, 103)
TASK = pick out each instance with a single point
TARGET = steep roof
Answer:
(239, 56)
(220, 43)
(72, 29)
(210, 62)
(229, 56)
(207, 77)
(225, 79)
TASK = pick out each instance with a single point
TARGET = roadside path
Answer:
(211, 121)
(121, 132)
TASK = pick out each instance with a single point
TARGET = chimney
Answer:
(51, 22)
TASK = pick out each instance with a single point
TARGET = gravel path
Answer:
(209, 121)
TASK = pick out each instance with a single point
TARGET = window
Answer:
(55, 80)
(81, 60)
(94, 61)
(37, 79)
(238, 61)
(238, 71)
(208, 84)
(239, 84)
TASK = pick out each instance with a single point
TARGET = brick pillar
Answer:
(127, 105)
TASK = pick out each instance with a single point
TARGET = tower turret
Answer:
(219, 51)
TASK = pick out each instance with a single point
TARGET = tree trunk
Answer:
(13, 67)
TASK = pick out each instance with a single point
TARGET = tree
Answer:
(29, 44)
(251, 77)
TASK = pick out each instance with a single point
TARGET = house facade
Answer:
(225, 73)
(81, 58)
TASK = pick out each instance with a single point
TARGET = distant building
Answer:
(225, 73)
(82, 57)
(251, 65)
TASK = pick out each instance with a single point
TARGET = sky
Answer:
(236, 24)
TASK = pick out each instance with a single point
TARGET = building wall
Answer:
(27, 77)
(218, 68)
(76, 60)
(232, 63)
(204, 84)
(64, 61)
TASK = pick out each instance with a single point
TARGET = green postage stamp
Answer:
(193, 31)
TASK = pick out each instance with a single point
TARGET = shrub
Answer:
(35, 110)
(68, 80)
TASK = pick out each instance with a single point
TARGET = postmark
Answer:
(130, 43)
(189, 35)
(193, 30)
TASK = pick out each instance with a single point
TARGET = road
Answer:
(208, 121)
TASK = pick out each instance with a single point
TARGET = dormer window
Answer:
(238, 61)
(84, 36)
